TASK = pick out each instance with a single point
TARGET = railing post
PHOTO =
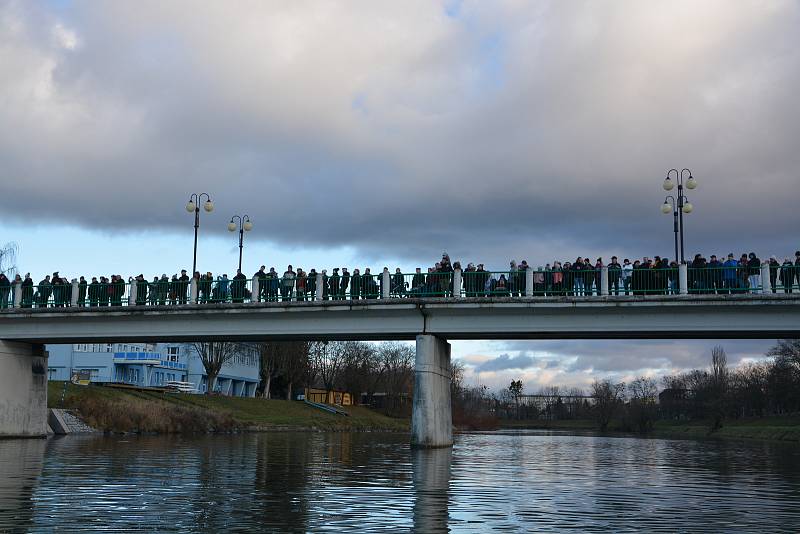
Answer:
(683, 279)
(319, 286)
(529, 282)
(73, 296)
(255, 289)
(386, 289)
(18, 295)
(766, 283)
(131, 293)
(457, 283)
(193, 290)
(604, 280)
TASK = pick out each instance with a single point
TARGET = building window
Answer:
(172, 353)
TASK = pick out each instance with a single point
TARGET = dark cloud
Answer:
(334, 128)
(504, 361)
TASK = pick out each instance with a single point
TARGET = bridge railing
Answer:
(514, 283)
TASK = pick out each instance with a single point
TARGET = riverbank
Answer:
(784, 428)
(140, 411)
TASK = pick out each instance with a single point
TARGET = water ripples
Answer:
(293, 482)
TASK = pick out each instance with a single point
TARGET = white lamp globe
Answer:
(231, 226)
(687, 208)
(665, 208)
(190, 206)
(691, 183)
(248, 226)
(668, 185)
(208, 206)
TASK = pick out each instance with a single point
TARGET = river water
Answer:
(305, 482)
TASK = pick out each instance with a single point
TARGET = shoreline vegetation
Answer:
(776, 428)
(114, 410)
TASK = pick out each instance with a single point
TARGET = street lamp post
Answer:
(669, 205)
(683, 204)
(244, 226)
(194, 206)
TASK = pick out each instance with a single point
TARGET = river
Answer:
(306, 482)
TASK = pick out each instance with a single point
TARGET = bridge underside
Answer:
(711, 317)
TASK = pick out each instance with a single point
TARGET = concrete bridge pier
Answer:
(432, 418)
(23, 390)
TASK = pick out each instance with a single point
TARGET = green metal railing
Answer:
(566, 282)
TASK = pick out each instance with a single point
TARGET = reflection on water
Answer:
(293, 482)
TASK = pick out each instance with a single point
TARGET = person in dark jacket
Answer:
(27, 291)
(797, 268)
(355, 285)
(787, 275)
(141, 290)
(204, 287)
(334, 285)
(273, 281)
(45, 289)
(261, 276)
(311, 284)
(182, 287)
(57, 283)
(370, 286)
(5, 291)
(163, 289)
(345, 283)
(94, 292)
(614, 275)
(119, 290)
(152, 294)
(754, 272)
(398, 287)
(774, 267)
(238, 287)
(578, 278)
(82, 286)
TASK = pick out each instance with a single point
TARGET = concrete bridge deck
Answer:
(610, 317)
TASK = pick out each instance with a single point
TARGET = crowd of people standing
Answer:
(581, 277)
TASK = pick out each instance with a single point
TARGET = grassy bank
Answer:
(765, 428)
(127, 410)
(785, 428)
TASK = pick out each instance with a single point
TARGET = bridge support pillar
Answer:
(432, 417)
(23, 390)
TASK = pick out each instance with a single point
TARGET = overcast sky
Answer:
(382, 133)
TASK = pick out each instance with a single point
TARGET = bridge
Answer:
(758, 313)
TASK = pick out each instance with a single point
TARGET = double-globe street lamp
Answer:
(244, 226)
(194, 206)
(678, 206)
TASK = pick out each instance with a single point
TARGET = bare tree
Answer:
(515, 388)
(270, 355)
(786, 351)
(215, 354)
(327, 359)
(396, 359)
(550, 396)
(292, 363)
(607, 398)
(359, 368)
(719, 385)
(642, 403)
(8, 260)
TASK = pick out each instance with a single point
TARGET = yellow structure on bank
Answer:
(342, 398)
